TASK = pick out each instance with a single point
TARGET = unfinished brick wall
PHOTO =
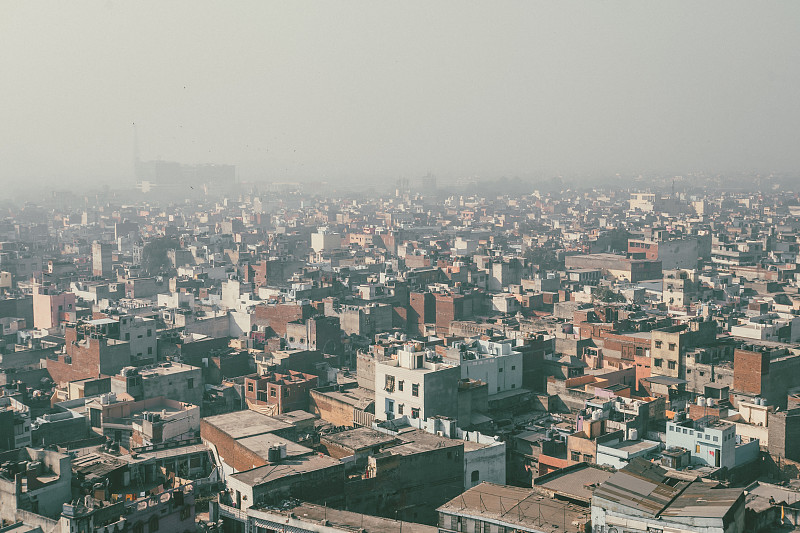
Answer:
(750, 371)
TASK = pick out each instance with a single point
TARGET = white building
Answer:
(415, 385)
(495, 363)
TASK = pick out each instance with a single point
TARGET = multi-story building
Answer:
(279, 392)
(641, 498)
(139, 332)
(710, 442)
(50, 307)
(679, 288)
(673, 253)
(176, 381)
(101, 259)
(495, 363)
(415, 385)
(669, 345)
(15, 423)
(34, 481)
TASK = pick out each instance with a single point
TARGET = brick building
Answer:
(277, 316)
(281, 392)
(88, 356)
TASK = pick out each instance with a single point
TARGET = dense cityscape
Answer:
(200, 353)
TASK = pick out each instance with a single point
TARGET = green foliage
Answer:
(545, 259)
(604, 294)
(154, 254)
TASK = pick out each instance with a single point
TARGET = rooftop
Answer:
(359, 438)
(517, 507)
(345, 520)
(358, 397)
(287, 467)
(575, 482)
(242, 424)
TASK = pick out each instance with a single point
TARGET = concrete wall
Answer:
(488, 462)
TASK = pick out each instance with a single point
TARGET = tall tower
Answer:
(101, 259)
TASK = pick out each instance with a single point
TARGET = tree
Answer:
(604, 294)
(154, 254)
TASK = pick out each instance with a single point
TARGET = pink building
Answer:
(50, 307)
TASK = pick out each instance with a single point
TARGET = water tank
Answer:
(273, 454)
(596, 414)
(701, 401)
(282, 451)
(757, 401)
(633, 434)
(710, 402)
(112, 397)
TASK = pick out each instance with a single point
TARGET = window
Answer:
(149, 350)
(415, 412)
(400, 409)
(400, 385)
(575, 456)
(513, 367)
(190, 383)
(672, 347)
(127, 336)
(153, 525)
(273, 392)
(500, 369)
(475, 476)
(697, 448)
(415, 389)
(389, 386)
(658, 344)
(149, 332)
(671, 365)
(249, 386)
(657, 362)
(716, 439)
(587, 458)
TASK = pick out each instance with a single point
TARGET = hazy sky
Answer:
(381, 89)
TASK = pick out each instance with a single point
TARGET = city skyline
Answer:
(368, 92)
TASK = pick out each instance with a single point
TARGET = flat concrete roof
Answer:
(577, 482)
(260, 445)
(632, 446)
(287, 467)
(346, 520)
(358, 439)
(357, 397)
(517, 507)
(242, 424)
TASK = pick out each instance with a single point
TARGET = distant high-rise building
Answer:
(101, 259)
